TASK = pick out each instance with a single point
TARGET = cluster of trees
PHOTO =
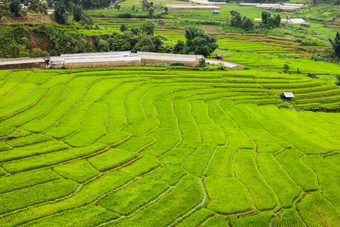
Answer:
(64, 7)
(270, 22)
(149, 6)
(237, 21)
(197, 42)
(136, 39)
(16, 42)
(35, 5)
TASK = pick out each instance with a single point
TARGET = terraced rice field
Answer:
(159, 147)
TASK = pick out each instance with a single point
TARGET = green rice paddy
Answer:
(159, 146)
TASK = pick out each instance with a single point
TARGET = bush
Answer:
(286, 68)
(202, 63)
(37, 52)
(103, 46)
(311, 75)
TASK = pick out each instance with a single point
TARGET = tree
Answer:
(336, 45)
(14, 7)
(247, 23)
(277, 21)
(145, 4)
(60, 13)
(148, 27)
(123, 28)
(237, 21)
(265, 18)
(38, 6)
(77, 12)
(178, 48)
(198, 42)
(270, 22)
(103, 46)
(151, 10)
(145, 44)
(286, 68)
(37, 52)
(117, 6)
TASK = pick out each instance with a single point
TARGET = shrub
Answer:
(202, 62)
(286, 68)
(37, 52)
(311, 75)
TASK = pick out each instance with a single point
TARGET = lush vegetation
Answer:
(166, 146)
(170, 145)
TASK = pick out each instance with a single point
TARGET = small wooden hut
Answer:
(287, 95)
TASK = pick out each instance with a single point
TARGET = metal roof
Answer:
(288, 94)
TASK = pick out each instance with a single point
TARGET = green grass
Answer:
(160, 146)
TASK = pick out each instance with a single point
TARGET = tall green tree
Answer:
(197, 42)
(336, 45)
(14, 7)
(148, 27)
(60, 12)
(77, 12)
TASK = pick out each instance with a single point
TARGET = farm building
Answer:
(87, 60)
(108, 59)
(206, 2)
(287, 95)
(283, 7)
(227, 65)
(191, 7)
(22, 63)
(287, 21)
(149, 58)
(219, 55)
(248, 4)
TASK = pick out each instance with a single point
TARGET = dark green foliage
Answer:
(103, 46)
(38, 6)
(311, 75)
(286, 68)
(14, 7)
(178, 48)
(37, 52)
(151, 10)
(198, 42)
(247, 23)
(123, 28)
(77, 13)
(270, 22)
(236, 21)
(61, 42)
(15, 42)
(145, 4)
(60, 13)
(336, 45)
(116, 6)
(148, 44)
(148, 28)
(202, 63)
